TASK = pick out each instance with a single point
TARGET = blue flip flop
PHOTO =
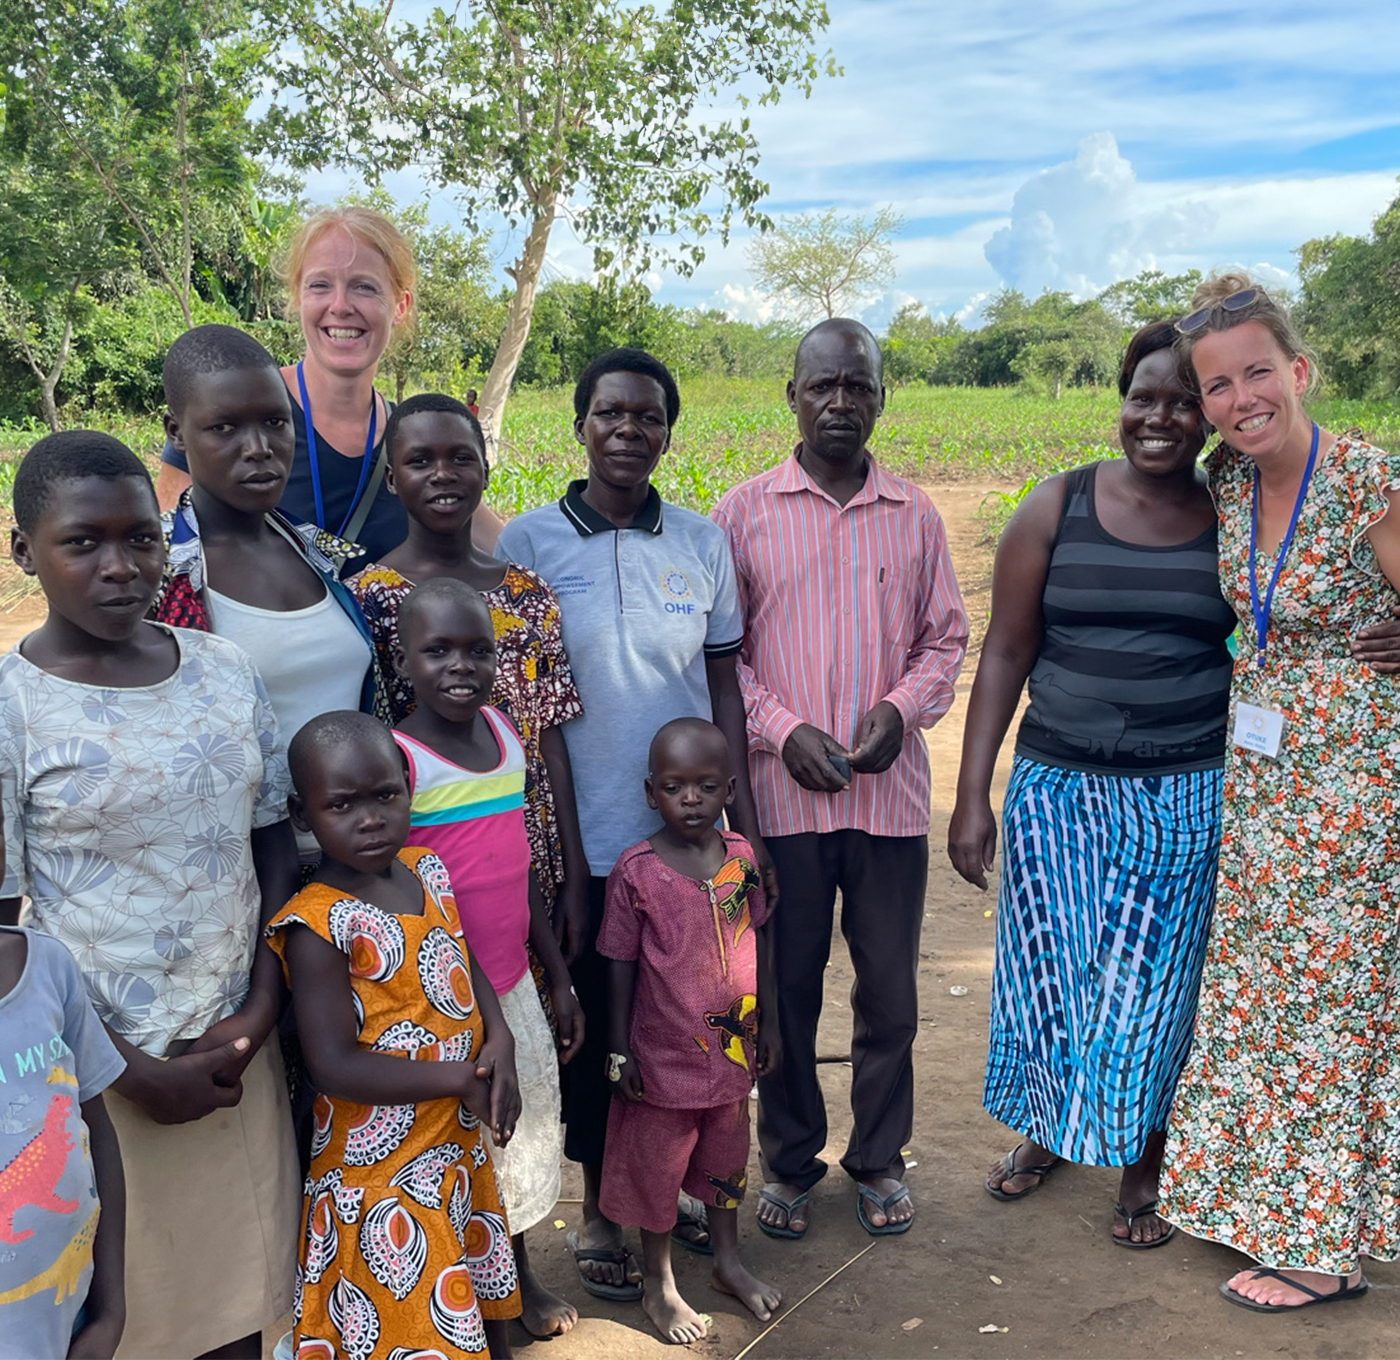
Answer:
(884, 1204)
(788, 1206)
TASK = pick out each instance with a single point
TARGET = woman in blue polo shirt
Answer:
(652, 626)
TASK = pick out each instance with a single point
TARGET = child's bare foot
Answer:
(730, 1277)
(673, 1317)
(542, 1313)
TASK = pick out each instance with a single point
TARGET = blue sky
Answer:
(1068, 143)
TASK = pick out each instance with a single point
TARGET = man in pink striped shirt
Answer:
(854, 636)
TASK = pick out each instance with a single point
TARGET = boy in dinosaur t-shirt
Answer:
(62, 1206)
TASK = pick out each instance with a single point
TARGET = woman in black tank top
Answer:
(1106, 598)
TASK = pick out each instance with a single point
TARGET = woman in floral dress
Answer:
(1285, 1136)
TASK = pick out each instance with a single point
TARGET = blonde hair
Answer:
(369, 228)
(1273, 316)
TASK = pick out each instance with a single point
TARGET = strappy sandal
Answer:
(1012, 1170)
(1130, 1218)
(1347, 1291)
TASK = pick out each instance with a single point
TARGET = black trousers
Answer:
(584, 1088)
(882, 881)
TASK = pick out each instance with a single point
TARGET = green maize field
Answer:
(730, 429)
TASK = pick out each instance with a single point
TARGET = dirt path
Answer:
(1064, 1289)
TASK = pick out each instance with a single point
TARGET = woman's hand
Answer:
(571, 918)
(972, 841)
(181, 1090)
(569, 1017)
(252, 1021)
(1379, 645)
(495, 1064)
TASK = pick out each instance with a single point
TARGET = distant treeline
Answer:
(1349, 304)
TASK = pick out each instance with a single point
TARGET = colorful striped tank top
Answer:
(474, 821)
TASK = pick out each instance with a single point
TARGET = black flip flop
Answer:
(782, 1231)
(1012, 1170)
(688, 1218)
(616, 1293)
(1130, 1218)
(1347, 1291)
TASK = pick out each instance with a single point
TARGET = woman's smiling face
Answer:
(1251, 391)
(1160, 421)
(346, 300)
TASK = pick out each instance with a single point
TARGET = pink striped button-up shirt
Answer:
(843, 606)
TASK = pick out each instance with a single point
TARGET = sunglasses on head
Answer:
(1236, 302)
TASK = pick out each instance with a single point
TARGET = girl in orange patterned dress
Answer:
(406, 1246)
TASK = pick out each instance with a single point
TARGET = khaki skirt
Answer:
(212, 1212)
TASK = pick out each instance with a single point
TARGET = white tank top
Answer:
(311, 661)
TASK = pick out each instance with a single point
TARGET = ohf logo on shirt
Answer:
(675, 586)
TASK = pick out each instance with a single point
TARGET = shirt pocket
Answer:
(893, 586)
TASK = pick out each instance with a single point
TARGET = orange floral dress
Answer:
(406, 1246)
(1285, 1137)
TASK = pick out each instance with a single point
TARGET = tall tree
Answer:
(822, 264)
(147, 98)
(1150, 296)
(597, 111)
(1349, 306)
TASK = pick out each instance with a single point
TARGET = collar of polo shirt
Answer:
(588, 521)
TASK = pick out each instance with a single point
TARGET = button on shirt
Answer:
(844, 606)
(642, 610)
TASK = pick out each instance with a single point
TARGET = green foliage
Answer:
(1350, 307)
(1052, 342)
(916, 345)
(823, 264)
(603, 109)
(121, 351)
(1151, 296)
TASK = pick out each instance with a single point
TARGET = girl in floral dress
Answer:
(1285, 1136)
(438, 469)
(406, 1247)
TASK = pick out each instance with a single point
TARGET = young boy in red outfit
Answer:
(684, 927)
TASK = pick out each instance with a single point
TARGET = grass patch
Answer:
(730, 429)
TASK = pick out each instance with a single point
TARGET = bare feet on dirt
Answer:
(542, 1313)
(672, 1316)
(730, 1277)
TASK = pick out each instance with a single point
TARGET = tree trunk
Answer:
(526, 273)
(48, 382)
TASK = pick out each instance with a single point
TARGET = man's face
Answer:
(836, 395)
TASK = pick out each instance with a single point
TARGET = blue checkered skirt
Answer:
(1107, 885)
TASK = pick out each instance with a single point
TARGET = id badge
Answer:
(1259, 730)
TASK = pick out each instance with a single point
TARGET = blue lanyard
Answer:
(316, 466)
(1261, 611)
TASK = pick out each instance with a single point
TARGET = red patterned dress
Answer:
(406, 1246)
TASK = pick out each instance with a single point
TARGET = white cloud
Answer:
(1082, 224)
(742, 303)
